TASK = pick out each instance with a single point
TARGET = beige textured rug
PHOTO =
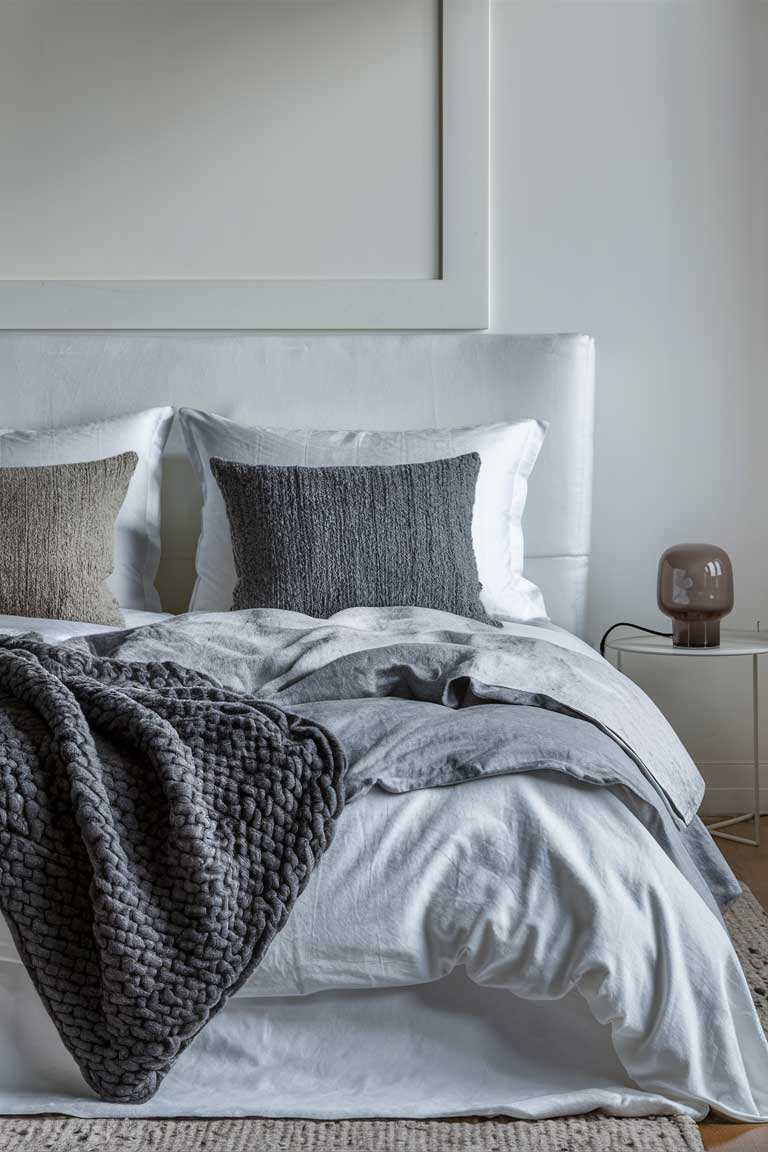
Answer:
(748, 925)
(579, 1134)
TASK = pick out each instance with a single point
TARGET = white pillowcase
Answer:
(137, 528)
(507, 452)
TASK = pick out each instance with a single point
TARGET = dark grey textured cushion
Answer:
(57, 525)
(317, 540)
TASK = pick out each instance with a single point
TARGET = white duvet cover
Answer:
(518, 944)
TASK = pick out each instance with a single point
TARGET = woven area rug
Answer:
(580, 1134)
(748, 925)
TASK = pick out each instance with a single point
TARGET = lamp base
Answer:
(696, 633)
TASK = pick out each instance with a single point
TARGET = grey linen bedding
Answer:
(409, 699)
(419, 698)
(424, 656)
(155, 832)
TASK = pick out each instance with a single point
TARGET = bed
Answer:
(543, 937)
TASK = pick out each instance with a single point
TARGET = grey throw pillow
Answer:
(56, 538)
(317, 540)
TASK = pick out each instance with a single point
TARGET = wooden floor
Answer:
(751, 866)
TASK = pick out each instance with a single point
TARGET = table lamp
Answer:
(695, 588)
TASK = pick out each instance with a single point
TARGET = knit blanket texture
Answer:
(155, 832)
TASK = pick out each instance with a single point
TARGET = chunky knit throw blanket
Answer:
(155, 832)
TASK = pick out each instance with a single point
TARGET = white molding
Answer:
(730, 801)
(457, 299)
(705, 766)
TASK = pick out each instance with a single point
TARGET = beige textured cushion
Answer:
(56, 538)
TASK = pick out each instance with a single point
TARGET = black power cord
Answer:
(629, 624)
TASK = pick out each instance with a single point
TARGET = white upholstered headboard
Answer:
(334, 381)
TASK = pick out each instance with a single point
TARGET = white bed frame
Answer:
(331, 381)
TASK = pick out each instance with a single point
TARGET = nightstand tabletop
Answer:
(732, 643)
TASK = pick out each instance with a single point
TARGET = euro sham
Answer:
(507, 450)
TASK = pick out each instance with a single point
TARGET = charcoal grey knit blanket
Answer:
(155, 832)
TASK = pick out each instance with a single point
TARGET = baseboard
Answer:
(730, 789)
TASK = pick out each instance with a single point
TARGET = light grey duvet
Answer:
(421, 699)
(424, 657)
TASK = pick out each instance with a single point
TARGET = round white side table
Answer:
(732, 643)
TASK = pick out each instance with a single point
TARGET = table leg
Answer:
(715, 828)
(756, 744)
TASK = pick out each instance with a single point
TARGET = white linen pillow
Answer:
(137, 528)
(507, 453)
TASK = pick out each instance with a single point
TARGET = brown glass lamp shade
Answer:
(696, 589)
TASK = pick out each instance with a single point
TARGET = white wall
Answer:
(630, 201)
